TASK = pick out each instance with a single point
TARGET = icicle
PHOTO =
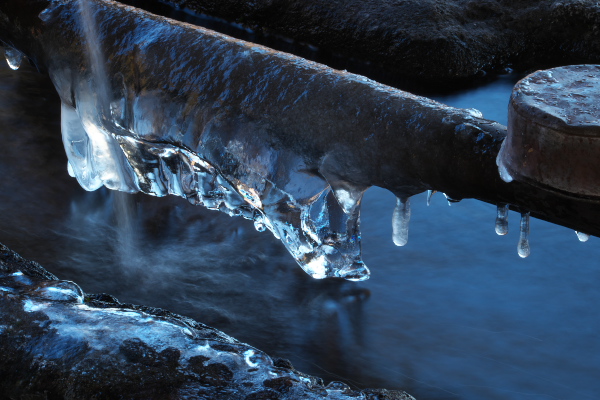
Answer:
(400, 221)
(449, 199)
(13, 57)
(504, 174)
(583, 237)
(523, 247)
(502, 220)
(430, 194)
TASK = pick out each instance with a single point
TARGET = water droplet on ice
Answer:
(13, 57)
(430, 194)
(583, 237)
(523, 247)
(400, 221)
(502, 220)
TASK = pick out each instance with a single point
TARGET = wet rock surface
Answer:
(432, 40)
(59, 343)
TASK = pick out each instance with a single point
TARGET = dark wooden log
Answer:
(348, 129)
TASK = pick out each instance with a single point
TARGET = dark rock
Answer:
(430, 40)
(82, 346)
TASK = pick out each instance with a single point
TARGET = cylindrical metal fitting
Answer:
(554, 130)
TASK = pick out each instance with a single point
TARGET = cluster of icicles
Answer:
(401, 219)
(162, 169)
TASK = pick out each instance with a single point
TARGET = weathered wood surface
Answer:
(349, 129)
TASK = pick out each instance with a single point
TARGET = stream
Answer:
(455, 314)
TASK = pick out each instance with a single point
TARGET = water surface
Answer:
(455, 314)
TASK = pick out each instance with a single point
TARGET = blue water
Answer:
(455, 314)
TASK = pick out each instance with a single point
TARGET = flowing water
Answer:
(453, 314)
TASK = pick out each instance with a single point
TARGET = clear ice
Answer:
(430, 194)
(502, 170)
(232, 126)
(502, 220)
(523, 247)
(400, 221)
(323, 236)
(14, 57)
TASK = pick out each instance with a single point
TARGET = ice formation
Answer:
(523, 248)
(502, 219)
(400, 221)
(583, 237)
(13, 57)
(240, 128)
(430, 194)
(57, 340)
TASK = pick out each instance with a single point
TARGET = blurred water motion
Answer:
(455, 314)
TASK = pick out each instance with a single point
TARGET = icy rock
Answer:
(57, 341)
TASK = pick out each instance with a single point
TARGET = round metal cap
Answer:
(554, 130)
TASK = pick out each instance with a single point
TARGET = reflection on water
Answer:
(455, 314)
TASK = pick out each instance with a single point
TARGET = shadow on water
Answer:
(455, 314)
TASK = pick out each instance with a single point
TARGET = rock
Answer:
(57, 342)
(430, 40)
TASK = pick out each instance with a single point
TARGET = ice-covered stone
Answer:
(56, 340)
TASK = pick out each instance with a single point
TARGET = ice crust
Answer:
(80, 345)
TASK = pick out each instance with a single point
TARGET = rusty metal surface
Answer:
(554, 130)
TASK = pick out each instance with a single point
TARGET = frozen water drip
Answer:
(523, 247)
(502, 220)
(430, 194)
(583, 237)
(400, 221)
